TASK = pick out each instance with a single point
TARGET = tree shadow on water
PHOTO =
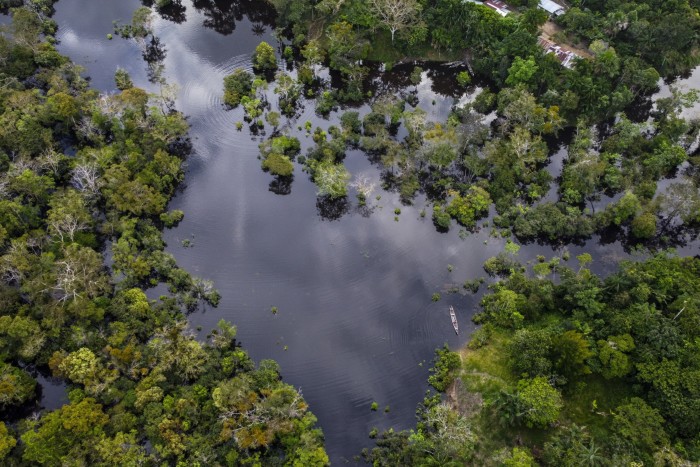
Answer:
(222, 15)
(364, 210)
(332, 209)
(281, 185)
(175, 11)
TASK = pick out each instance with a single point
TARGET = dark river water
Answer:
(356, 323)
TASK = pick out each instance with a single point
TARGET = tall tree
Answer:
(397, 15)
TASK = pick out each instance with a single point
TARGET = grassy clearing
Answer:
(591, 404)
(486, 369)
(384, 51)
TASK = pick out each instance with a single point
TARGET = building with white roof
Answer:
(553, 8)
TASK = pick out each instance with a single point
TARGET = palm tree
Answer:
(591, 455)
(508, 408)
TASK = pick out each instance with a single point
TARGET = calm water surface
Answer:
(356, 323)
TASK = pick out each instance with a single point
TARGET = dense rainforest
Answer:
(81, 173)
(567, 368)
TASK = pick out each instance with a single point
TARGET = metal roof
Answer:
(550, 6)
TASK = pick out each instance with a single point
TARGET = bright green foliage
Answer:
(643, 226)
(470, 207)
(519, 457)
(502, 307)
(443, 371)
(264, 58)
(522, 72)
(626, 208)
(539, 401)
(84, 368)
(16, 387)
(122, 449)
(614, 355)
(464, 79)
(289, 146)
(74, 427)
(172, 218)
(253, 108)
(68, 215)
(277, 154)
(273, 118)
(529, 352)
(7, 441)
(630, 328)
(278, 164)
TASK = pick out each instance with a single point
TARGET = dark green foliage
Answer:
(441, 219)
(445, 364)
(550, 221)
(630, 325)
(236, 85)
(501, 265)
(568, 333)
(641, 426)
(122, 79)
(529, 352)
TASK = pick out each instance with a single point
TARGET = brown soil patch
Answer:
(465, 402)
(550, 29)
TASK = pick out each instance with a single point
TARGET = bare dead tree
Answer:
(363, 185)
(86, 179)
(397, 15)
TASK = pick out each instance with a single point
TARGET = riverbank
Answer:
(561, 389)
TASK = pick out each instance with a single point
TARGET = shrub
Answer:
(643, 226)
(464, 79)
(236, 85)
(278, 164)
(446, 362)
(122, 79)
(441, 219)
(264, 58)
